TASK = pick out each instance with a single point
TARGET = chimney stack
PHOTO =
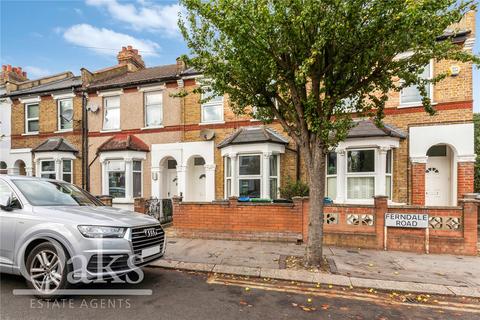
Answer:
(130, 57)
(181, 65)
(15, 74)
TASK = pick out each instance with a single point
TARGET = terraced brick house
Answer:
(46, 127)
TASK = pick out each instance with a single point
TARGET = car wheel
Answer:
(47, 270)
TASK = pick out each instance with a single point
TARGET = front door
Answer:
(437, 181)
(172, 183)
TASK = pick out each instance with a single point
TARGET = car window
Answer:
(54, 193)
(5, 191)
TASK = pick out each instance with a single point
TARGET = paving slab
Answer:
(193, 266)
(325, 278)
(163, 263)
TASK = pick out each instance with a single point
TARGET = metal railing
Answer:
(160, 209)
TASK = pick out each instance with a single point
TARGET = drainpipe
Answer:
(85, 166)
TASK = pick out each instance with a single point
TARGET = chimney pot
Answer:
(9, 67)
(129, 47)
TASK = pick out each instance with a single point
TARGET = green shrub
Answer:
(294, 189)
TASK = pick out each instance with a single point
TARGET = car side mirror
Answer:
(6, 202)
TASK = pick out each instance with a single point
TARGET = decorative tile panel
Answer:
(360, 220)
(330, 218)
(445, 223)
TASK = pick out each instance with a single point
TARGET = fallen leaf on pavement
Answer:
(325, 306)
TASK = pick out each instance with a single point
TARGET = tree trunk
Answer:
(316, 182)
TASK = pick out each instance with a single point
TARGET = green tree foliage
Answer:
(476, 122)
(309, 64)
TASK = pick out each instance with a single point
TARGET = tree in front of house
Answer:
(311, 65)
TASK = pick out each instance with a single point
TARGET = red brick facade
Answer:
(465, 178)
(359, 226)
(418, 184)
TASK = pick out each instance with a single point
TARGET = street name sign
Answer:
(406, 220)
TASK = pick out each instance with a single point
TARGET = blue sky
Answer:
(46, 37)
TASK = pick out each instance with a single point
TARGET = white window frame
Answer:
(331, 176)
(250, 177)
(69, 173)
(145, 94)
(210, 104)
(59, 118)
(141, 176)
(228, 163)
(27, 119)
(108, 175)
(387, 174)
(48, 172)
(369, 174)
(418, 103)
(106, 108)
(277, 177)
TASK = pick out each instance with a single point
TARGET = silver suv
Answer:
(55, 234)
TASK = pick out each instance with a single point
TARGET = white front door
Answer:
(437, 181)
(172, 183)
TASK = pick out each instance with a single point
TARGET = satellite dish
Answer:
(93, 108)
(207, 134)
(67, 115)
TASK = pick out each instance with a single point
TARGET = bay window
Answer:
(67, 170)
(331, 185)
(388, 175)
(249, 176)
(360, 174)
(273, 175)
(116, 178)
(32, 118)
(212, 108)
(137, 179)
(47, 169)
(228, 177)
(153, 109)
(111, 115)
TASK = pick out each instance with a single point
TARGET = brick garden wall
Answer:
(452, 230)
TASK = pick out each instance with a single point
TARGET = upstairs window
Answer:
(410, 96)
(65, 114)
(31, 118)
(111, 119)
(153, 109)
(212, 108)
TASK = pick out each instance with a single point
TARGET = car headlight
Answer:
(102, 232)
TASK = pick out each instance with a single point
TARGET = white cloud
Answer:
(107, 42)
(36, 72)
(78, 11)
(143, 15)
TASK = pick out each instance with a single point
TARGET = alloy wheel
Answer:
(46, 271)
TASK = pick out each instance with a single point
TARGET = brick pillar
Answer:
(106, 200)
(470, 224)
(232, 201)
(303, 214)
(139, 205)
(418, 182)
(176, 209)
(465, 177)
(381, 207)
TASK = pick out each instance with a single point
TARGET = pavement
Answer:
(191, 295)
(379, 270)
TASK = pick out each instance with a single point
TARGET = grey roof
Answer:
(253, 135)
(367, 128)
(146, 75)
(51, 86)
(55, 144)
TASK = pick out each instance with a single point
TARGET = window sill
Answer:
(152, 127)
(110, 130)
(208, 123)
(63, 131)
(30, 133)
(413, 105)
(122, 200)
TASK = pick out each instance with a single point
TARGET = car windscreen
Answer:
(54, 193)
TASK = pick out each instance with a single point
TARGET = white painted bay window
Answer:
(212, 108)
(65, 114)
(67, 170)
(56, 168)
(331, 185)
(249, 176)
(32, 118)
(47, 169)
(274, 174)
(116, 178)
(153, 109)
(228, 177)
(389, 174)
(360, 174)
(410, 96)
(111, 115)
(137, 179)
